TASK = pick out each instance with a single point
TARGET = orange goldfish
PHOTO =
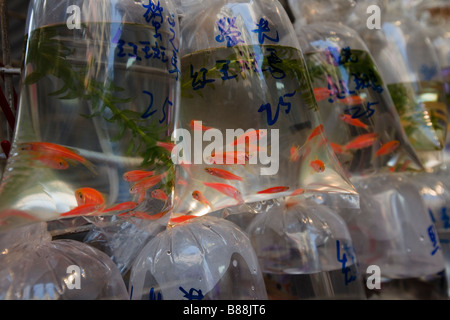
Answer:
(316, 131)
(129, 205)
(227, 190)
(321, 93)
(84, 210)
(353, 121)
(136, 175)
(197, 126)
(274, 190)
(317, 165)
(52, 162)
(197, 195)
(388, 147)
(147, 183)
(294, 155)
(256, 134)
(89, 196)
(224, 174)
(56, 150)
(159, 195)
(362, 141)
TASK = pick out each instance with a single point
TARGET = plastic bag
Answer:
(247, 129)
(394, 232)
(36, 268)
(359, 116)
(100, 82)
(305, 251)
(206, 258)
(409, 65)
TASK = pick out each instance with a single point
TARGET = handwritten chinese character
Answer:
(229, 32)
(154, 15)
(152, 296)
(225, 69)
(364, 81)
(272, 60)
(202, 82)
(445, 218)
(263, 28)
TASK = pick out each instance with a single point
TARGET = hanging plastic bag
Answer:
(247, 128)
(36, 268)
(410, 68)
(100, 83)
(206, 258)
(394, 231)
(359, 116)
(306, 252)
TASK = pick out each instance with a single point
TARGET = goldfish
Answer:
(197, 195)
(294, 153)
(321, 93)
(227, 190)
(317, 165)
(256, 134)
(362, 141)
(56, 150)
(181, 218)
(89, 196)
(224, 174)
(274, 190)
(388, 147)
(146, 183)
(136, 175)
(353, 121)
(197, 126)
(53, 162)
(159, 195)
(129, 205)
(83, 210)
(316, 131)
(166, 145)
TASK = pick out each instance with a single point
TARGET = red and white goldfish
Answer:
(321, 93)
(353, 121)
(294, 153)
(84, 210)
(224, 174)
(338, 148)
(128, 205)
(226, 189)
(236, 157)
(362, 141)
(52, 162)
(181, 218)
(297, 192)
(197, 195)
